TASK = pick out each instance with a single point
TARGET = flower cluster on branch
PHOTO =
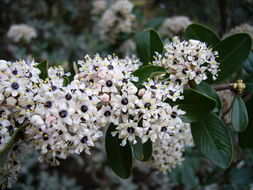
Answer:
(69, 119)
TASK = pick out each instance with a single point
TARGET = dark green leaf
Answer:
(196, 105)
(213, 139)
(65, 81)
(206, 89)
(248, 64)
(148, 43)
(188, 176)
(156, 22)
(245, 138)
(201, 33)
(249, 83)
(233, 51)
(239, 114)
(43, 67)
(119, 157)
(142, 152)
(146, 72)
(184, 174)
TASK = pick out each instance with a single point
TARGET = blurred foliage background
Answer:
(66, 30)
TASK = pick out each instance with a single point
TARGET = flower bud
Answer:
(37, 121)
(1, 98)
(11, 101)
(3, 65)
(105, 98)
(141, 92)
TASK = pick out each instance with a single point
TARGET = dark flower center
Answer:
(95, 68)
(107, 113)
(109, 83)
(163, 129)
(178, 81)
(15, 72)
(84, 108)
(184, 71)
(15, 85)
(130, 130)
(147, 105)
(84, 139)
(110, 67)
(68, 96)
(174, 115)
(48, 104)
(45, 136)
(195, 57)
(125, 81)
(171, 92)
(124, 101)
(53, 87)
(63, 113)
(82, 119)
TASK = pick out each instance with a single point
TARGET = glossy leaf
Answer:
(206, 89)
(245, 138)
(248, 64)
(146, 72)
(196, 105)
(239, 114)
(249, 83)
(142, 152)
(233, 51)
(148, 43)
(119, 157)
(43, 67)
(213, 139)
(201, 33)
(156, 22)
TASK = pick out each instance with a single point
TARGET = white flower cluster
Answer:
(174, 25)
(62, 121)
(18, 86)
(10, 170)
(98, 6)
(68, 119)
(188, 61)
(117, 19)
(143, 114)
(168, 154)
(18, 32)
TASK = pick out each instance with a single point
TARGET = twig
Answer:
(221, 87)
(226, 112)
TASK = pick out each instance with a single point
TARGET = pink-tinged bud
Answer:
(51, 119)
(141, 92)
(97, 86)
(81, 75)
(146, 97)
(105, 98)
(102, 74)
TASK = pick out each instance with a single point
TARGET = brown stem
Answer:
(226, 112)
(221, 87)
